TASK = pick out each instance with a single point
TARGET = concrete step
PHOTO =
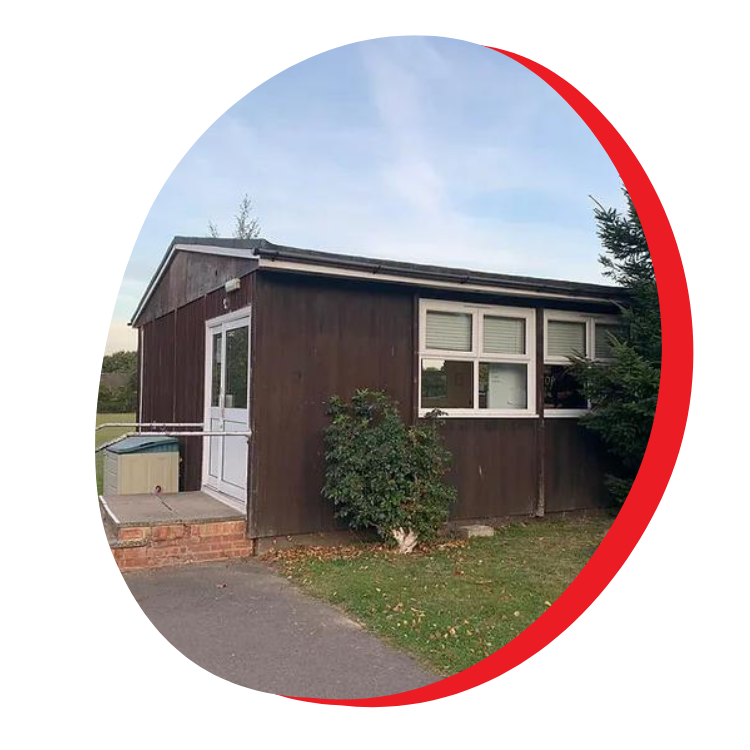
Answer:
(109, 527)
(109, 533)
(114, 532)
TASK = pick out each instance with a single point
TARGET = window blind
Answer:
(565, 338)
(449, 331)
(504, 335)
(602, 332)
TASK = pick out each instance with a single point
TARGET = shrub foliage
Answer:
(382, 475)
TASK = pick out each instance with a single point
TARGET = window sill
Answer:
(562, 413)
(483, 414)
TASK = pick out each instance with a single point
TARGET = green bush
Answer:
(116, 400)
(382, 475)
(120, 396)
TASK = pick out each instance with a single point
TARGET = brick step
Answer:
(156, 545)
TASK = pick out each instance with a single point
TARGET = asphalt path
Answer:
(245, 623)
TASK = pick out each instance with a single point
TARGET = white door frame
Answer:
(222, 324)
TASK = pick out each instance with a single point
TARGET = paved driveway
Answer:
(243, 622)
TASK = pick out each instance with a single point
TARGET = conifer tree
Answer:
(246, 226)
(623, 393)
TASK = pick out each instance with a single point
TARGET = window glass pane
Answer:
(236, 375)
(561, 389)
(566, 338)
(447, 330)
(216, 370)
(502, 385)
(447, 384)
(504, 335)
(602, 332)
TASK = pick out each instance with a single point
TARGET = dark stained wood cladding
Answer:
(158, 369)
(494, 466)
(539, 445)
(174, 368)
(318, 337)
(575, 465)
(315, 338)
(190, 332)
(192, 275)
(218, 302)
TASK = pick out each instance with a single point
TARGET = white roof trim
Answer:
(208, 249)
(328, 270)
(313, 268)
(231, 252)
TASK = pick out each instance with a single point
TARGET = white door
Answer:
(227, 404)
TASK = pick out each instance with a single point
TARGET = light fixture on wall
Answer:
(232, 285)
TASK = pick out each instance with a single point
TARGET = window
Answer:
(569, 335)
(603, 333)
(476, 360)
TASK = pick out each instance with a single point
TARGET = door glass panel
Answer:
(235, 388)
(216, 370)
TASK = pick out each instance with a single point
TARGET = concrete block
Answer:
(472, 530)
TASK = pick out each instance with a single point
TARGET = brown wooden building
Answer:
(239, 334)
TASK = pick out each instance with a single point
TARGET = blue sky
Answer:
(410, 148)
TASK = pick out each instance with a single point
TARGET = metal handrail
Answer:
(201, 433)
(148, 424)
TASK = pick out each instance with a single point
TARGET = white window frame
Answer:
(591, 320)
(476, 356)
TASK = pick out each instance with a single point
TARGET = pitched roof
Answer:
(282, 257)
(419, 271)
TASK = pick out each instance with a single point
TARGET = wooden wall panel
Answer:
(189, 277)
(158, 369)
(315, 338)
(575, 465)
(189, 377)
(174, 368)
(494, 466)
(220, 303)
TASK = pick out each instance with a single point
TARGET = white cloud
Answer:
(120, 337)
(401, 98)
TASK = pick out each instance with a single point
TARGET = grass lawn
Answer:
(459, 601)
(104, 436)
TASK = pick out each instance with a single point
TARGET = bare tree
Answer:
(246, 226)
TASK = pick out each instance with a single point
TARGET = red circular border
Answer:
(666, 435)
